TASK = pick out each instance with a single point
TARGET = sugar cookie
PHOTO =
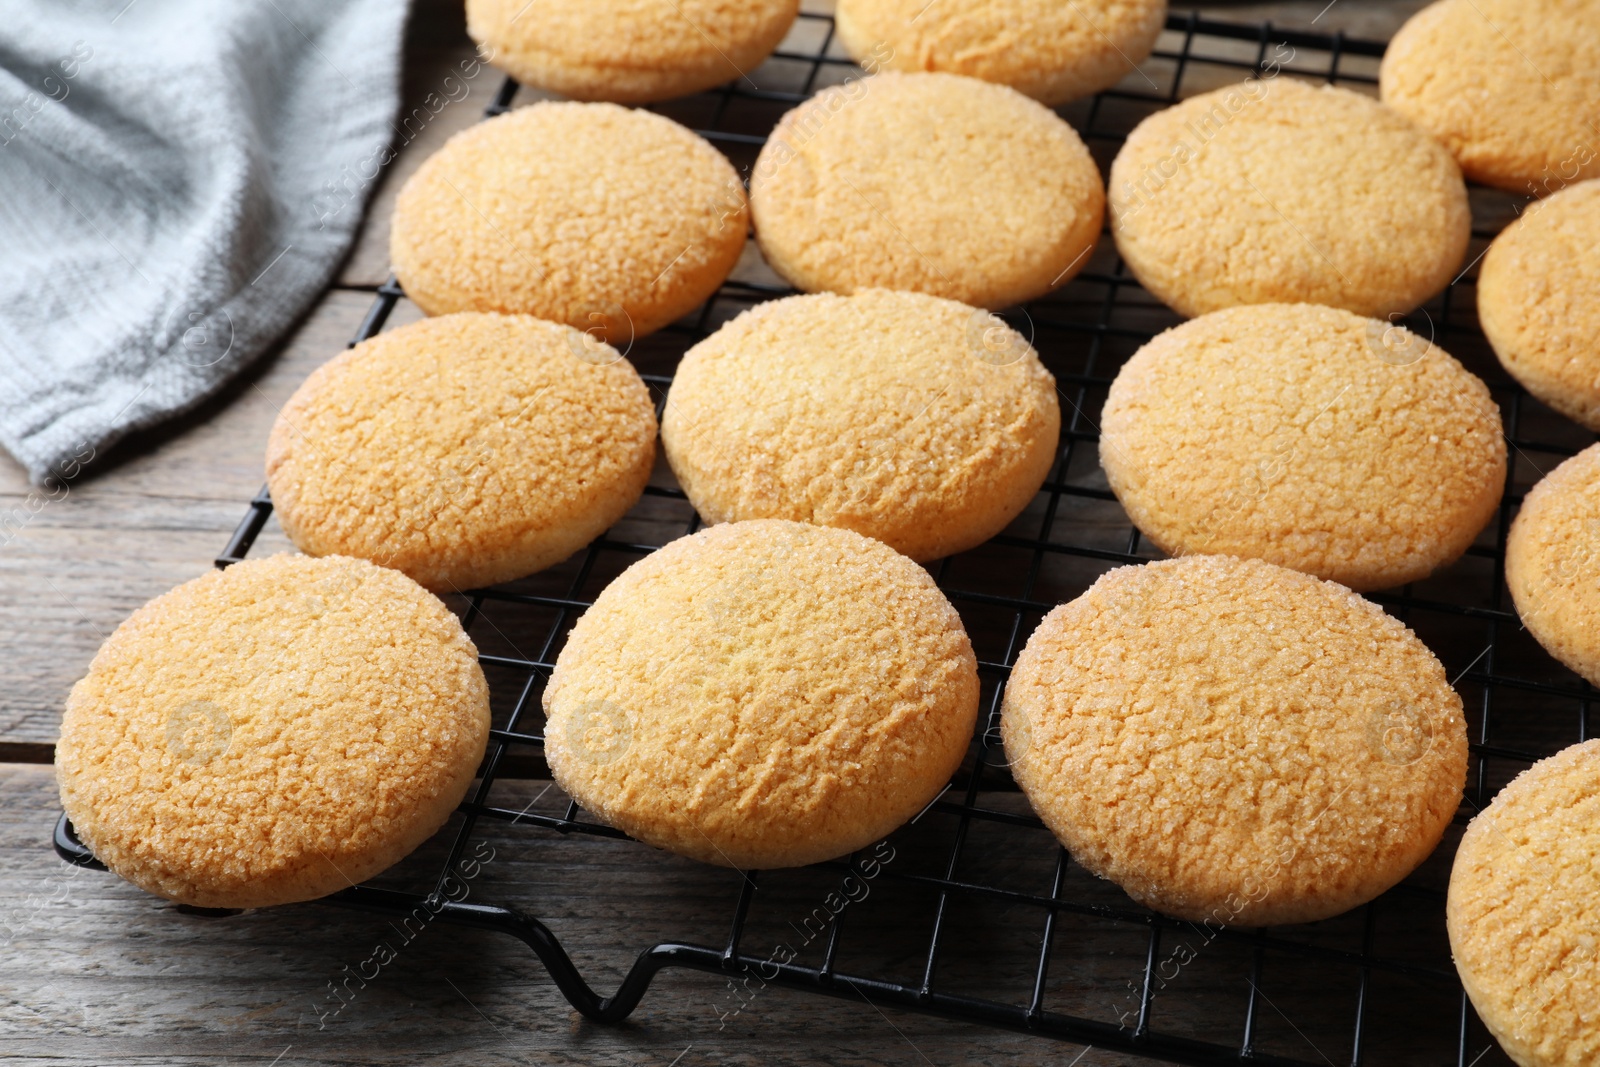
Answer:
(628, 51)
(273, 732)
(763, 694)
(1306, 436)
(937, 183)
(1539, 301)
(1553, 563)
(464, 450)
(922, 422)
(1272, 191)
(1233, 741)
(1510, 87)
(1519, 912)
(612, 220)
(1047, 49)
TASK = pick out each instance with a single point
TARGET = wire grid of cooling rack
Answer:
(1375, 986)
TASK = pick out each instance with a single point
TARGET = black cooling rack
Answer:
(1087, 965)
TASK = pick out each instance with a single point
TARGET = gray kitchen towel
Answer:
(178, 181)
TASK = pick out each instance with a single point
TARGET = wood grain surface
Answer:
(96, 972)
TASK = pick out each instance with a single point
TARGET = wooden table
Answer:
(97, 972)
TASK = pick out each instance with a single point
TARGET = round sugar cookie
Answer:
(628, 51)
(1520, 912)
(1308, 437)
(763, 694)
(1510, 87)
(921, 422)
(608, 219)
(1539, 301)
(463, 450)
(1553, 563)
(1233, 741)
(937, 183)
(1274, 191)
(1049, 50)
(273, 732)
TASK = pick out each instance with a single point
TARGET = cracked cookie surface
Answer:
(1235, 742)
(1047, 49)
(763, 694)
(1274, 191)
(606, 218)
(464, 450)
(1520, 912)
(1510, 87)
(628, 51)
(1305, 436)
(1539, 301)
(921, 422)
(273, 732)
(937, 183)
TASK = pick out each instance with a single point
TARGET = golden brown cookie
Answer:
(1521, 912)
(1306, 436)
(1553, 563)
(1510, 87)
(1272, 191)
(629, 51)
(1233, 741)
(273, 732)
(1051, 50)
(612, 220)
(464, 450)
(763, 694)
(922, 422)
(937, 183)
(1539, 301)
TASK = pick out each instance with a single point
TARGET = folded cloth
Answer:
(180, 178)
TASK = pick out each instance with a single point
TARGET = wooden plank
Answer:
(95, 971)
(1375, 20)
